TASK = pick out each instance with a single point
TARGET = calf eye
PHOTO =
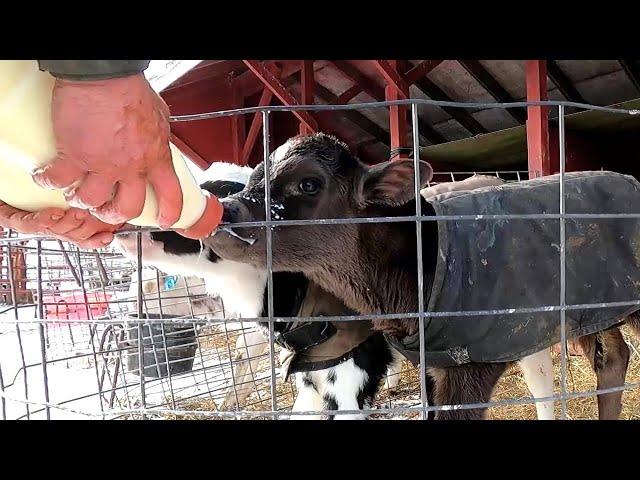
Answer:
(310, 186)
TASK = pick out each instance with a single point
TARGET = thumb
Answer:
(61, 173)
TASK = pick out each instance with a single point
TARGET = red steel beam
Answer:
(250, 84)
(238, 126)
(393, 78)
(189, 152)
(256, 125)
(537, 120)
(307, 87)
(356, 76)
(396, 89)
(201, 72)
(271, 82)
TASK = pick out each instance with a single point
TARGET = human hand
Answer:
(72, 225)
(112, 137)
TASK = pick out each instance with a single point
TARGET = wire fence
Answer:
(71, 328)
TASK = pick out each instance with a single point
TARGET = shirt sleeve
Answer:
(92, 69)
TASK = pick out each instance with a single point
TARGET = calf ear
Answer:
(391, 183)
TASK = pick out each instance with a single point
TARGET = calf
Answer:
(371, 266)
(324, 381)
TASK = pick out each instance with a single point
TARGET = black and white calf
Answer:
(372, 268)
(350, 384)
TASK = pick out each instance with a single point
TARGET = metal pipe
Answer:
(269, 241)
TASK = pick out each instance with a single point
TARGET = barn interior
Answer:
(84, 369)
(451, 139)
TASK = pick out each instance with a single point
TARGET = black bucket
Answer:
(178, 343)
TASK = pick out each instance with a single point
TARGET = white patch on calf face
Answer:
(224, 171)
(279, 153)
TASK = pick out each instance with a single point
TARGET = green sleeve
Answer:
(92, 69)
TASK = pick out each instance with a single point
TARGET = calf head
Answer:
(314, 178)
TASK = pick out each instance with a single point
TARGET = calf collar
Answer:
(312, 346)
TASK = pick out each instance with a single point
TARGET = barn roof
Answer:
(479, 136)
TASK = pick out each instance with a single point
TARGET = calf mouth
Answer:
(237, 244)
(229, 230)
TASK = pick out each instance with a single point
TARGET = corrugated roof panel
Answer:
(611, 88)
(458, 84)
(579, 70)
(510, 74)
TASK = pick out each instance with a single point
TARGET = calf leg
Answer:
(466, 384)
(393, 373)
(308, 398)
(537, 370)
(341, 388)
(249, 347)
(608, 354)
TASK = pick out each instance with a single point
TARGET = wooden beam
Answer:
(537, 120)
(189, 152)
(347, 95)
(355, 117)
(237, 126)
(491, 85)
(420, 70)
(351, 72)
(270, 80)
(307, 84)
(255, 127)
(431, 134)
(462, 116)
(633, 72)
(378, 94)
(563, 83)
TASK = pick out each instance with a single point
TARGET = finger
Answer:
(72, 219)
(127, 203)
(94, 191)
(61, 173)
(99, 240)
(88, 227)
(207, 223)
(48, 216)
(29, 222)
(168, 192)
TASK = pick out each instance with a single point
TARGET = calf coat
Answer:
(516, 263)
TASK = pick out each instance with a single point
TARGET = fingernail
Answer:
(55, 218)
(107, 241)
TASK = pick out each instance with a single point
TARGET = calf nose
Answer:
(233, 211)
(227, 214)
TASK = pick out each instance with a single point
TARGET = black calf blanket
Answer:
(515, 263)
